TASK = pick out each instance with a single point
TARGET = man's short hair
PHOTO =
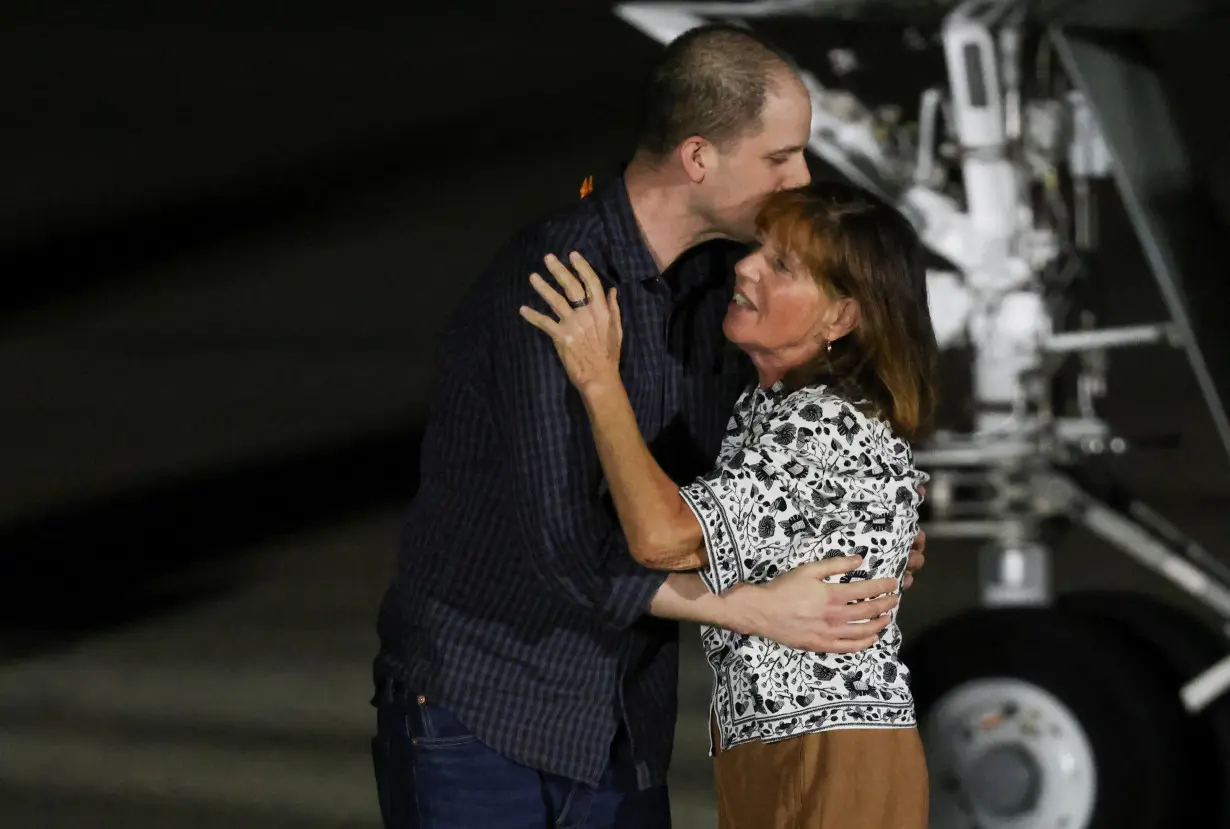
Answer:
(712, 81)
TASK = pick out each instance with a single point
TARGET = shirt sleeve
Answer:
(742, 506)
(571, 532)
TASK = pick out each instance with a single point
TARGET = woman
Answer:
(831, 309)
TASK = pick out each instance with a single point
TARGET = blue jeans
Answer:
(432, 773)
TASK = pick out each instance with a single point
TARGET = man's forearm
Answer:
(799, 609)
(684, 597)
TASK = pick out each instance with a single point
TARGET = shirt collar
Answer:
(629, 253)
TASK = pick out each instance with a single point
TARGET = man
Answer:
(527, 670)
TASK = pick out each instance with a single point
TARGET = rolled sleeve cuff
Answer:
(725, 569)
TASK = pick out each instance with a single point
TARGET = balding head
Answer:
(725, 125)
(713, 82)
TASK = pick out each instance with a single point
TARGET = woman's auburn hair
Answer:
(857, 246)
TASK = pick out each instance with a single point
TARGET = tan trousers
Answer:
(841, 779)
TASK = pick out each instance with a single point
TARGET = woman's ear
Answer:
(846, 318)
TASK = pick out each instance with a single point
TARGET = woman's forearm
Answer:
(662, 532)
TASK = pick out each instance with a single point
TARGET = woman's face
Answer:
(779, 315)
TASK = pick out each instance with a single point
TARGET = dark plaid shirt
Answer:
(518, 606)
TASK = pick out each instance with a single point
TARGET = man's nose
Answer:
(798, 175)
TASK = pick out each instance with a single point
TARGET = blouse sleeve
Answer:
(746, 505)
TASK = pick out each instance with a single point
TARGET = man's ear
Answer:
(696, 156)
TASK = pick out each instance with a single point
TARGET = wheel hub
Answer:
(1004, 781)
(1007, 754)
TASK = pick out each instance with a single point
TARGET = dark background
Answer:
(229, 235)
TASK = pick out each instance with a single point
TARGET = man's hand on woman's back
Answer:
(801, 610)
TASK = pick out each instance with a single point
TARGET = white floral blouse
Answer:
(803, 476)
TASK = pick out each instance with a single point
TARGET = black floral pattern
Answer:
(805, 476)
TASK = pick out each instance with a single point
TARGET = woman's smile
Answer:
(741, 302)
